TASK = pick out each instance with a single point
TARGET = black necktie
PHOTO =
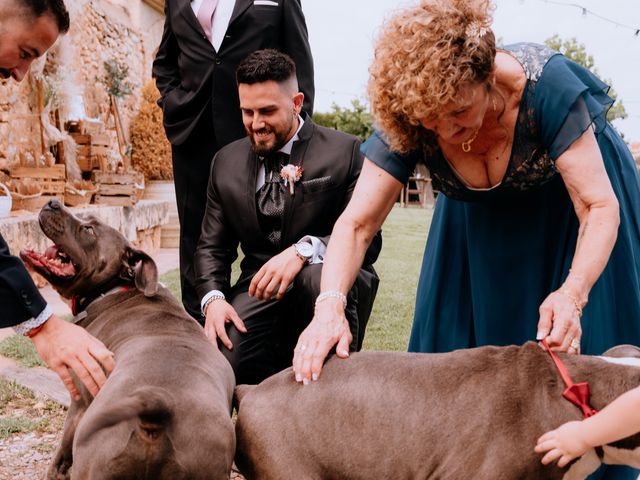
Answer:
(270, 198)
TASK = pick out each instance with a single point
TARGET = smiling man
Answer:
(276, 193)
(27, 29)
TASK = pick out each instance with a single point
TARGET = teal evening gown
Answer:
(493, 255)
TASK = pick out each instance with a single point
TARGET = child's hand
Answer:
(563, 444)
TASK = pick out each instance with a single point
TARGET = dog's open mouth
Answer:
(53, 261)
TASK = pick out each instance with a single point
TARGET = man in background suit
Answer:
(202, 44)
(277, 193)
(28, 28)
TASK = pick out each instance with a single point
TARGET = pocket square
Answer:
(268, 3)
(316, 184)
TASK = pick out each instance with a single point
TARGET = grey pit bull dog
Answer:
(164, 412)
(469, 414)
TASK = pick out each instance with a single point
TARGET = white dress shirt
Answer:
(221, 18)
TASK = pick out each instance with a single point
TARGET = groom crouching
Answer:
(277, 193)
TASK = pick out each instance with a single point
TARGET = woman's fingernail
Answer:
(305, 381)
(344, 352)
(539, 335)
(314, 377)
(298, 377)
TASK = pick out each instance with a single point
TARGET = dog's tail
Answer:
(152, 405)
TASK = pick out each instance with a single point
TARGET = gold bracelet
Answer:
(575, 301)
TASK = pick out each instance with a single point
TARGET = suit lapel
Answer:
(252, 166)
(190, 17)
(292, 202)
(239, 8)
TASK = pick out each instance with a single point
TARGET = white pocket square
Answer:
(269, 3)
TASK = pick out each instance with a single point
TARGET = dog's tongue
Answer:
(50, 260)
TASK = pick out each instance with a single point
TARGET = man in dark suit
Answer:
(277, 193)
(27, 29)
(195, 73)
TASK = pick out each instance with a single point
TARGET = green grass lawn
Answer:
(403, 238)
(404, 235)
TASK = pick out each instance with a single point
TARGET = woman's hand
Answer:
(563, 444)
(559, 322)
(328, 328)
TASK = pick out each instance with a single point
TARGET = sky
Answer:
(342, 34)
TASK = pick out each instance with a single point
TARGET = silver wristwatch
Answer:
(304, 250)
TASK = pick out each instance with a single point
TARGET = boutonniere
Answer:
(291, 174)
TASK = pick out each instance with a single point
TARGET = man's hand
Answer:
(219, 312)
(278, 273)
(63, 346)
(328, 328)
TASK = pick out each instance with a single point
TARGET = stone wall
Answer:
(127, 31)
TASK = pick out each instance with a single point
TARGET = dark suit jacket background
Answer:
(20, 299)
(332, 162)
(189, 71)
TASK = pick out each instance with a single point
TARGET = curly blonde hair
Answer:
(423, 55)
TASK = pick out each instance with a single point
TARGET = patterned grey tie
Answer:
(270, 198)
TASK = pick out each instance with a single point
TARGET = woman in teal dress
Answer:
(536, 233)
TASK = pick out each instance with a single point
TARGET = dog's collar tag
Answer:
(80, 316)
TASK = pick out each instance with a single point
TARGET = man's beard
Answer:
(263, 149)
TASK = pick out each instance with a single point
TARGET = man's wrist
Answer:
(210, 298)
(29, 327)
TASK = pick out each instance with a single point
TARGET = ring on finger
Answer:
(575, 344)
(302, 347)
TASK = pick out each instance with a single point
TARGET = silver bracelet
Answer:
(215, 296)
(332, 294)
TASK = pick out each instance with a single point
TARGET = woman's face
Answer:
(460, 119)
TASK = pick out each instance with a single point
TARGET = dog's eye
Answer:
(89, 229)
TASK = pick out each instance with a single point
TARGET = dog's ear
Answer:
(623, 351)
(143, 270)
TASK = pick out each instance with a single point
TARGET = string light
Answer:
(586, 11)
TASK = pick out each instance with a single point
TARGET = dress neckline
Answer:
(507, 171)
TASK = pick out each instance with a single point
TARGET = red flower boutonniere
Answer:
(291, 174)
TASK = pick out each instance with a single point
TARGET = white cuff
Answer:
(32, 323)
(319, 249)
(213, 294)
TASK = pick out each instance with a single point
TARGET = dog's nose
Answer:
(54, 204)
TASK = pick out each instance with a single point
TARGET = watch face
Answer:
(305, 249)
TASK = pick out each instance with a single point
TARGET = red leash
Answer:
(576, 393)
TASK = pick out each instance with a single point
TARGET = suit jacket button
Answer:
(218, 60)
(25, 297)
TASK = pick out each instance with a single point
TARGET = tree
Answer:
(577, 52)
(355, 120)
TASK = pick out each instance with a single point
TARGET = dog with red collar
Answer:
(164, 411)
(474, 413)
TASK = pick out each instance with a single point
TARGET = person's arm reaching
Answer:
(375, 193)
(618, 420)
(64, 346)
(596, 207)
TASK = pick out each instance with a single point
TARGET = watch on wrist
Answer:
(304, 250)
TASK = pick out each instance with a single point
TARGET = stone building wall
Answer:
(126, 31)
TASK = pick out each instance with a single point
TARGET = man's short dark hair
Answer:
(265, 65)
(55, 8)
